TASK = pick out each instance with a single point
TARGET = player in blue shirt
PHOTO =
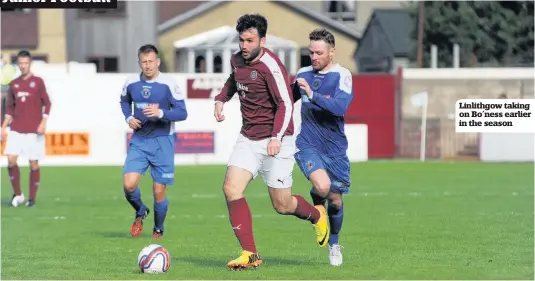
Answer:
(326, 90)
(157, 105)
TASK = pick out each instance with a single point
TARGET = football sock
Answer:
(14, 176)
(134, 198)
(305, 210)
(242, 223)
(160, 212)
(35, 176)
(336, 216)
(316, 199)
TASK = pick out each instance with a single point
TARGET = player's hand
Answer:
(303, 84)
(151, 111)
(218, 112)
(41, 129)
(274, 147)
(134, 123)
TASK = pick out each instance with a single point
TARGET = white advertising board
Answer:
(89, 103)
(507, 147)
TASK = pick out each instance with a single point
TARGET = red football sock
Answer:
(35, 176)
(305, 210)
(242, 223)
(14, 176)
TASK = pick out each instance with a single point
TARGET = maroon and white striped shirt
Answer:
(265, 96)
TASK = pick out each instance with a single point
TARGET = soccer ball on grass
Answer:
(153, 258)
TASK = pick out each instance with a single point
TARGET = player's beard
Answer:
(320, 65)
(253, 54)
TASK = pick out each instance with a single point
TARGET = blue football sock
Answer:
(316, 199)
(336, 217)
(160, 211)
(134, 198)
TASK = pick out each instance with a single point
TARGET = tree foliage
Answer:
(488, 33)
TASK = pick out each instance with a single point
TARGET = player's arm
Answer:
(45, 100)
(280, 91)
(178, 110)
(126, 102)
(228, 91)
(343, 96)
(10, 108)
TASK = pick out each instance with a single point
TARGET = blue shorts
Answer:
(337, 168)
(158, 153)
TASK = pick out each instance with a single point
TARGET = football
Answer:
(153, 258)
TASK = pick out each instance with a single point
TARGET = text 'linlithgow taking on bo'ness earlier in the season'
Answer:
(494, 115)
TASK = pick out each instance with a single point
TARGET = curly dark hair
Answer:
(252, 21)
(322, 34)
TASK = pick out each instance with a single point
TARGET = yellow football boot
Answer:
(322, 227)
(246, 260)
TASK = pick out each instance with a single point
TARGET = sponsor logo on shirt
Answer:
(141, 105)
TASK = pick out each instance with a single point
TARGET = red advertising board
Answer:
(374, 104)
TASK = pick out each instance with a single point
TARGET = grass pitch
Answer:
(403, 220)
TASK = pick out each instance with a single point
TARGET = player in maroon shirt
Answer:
(28, 106)
(266, 144)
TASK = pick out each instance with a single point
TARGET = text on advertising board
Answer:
(62, 144)
(205, 87)
(67, 144)
(189, 142)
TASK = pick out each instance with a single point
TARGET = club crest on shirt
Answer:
(254, 74)
(32, 84)
(316, 84)
(145, 92)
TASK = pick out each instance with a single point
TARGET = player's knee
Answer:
(322, 187)
(235, 183)
(231, 191)
(130, 182)
(159, 192)
(321, 182)
(34, 165)
(12, 160)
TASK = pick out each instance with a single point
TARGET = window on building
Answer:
(200, 64)
(305, 58)
(93, 13)
(341, 10)
(218, 64)
(105, 64)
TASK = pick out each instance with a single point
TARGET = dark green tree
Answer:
(488, 33)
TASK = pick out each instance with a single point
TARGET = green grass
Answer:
(403, 220)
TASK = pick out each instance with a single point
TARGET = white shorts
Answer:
(252, 156)
(30, 146)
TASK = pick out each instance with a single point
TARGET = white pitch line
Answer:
(219, 216)
(172, 217)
